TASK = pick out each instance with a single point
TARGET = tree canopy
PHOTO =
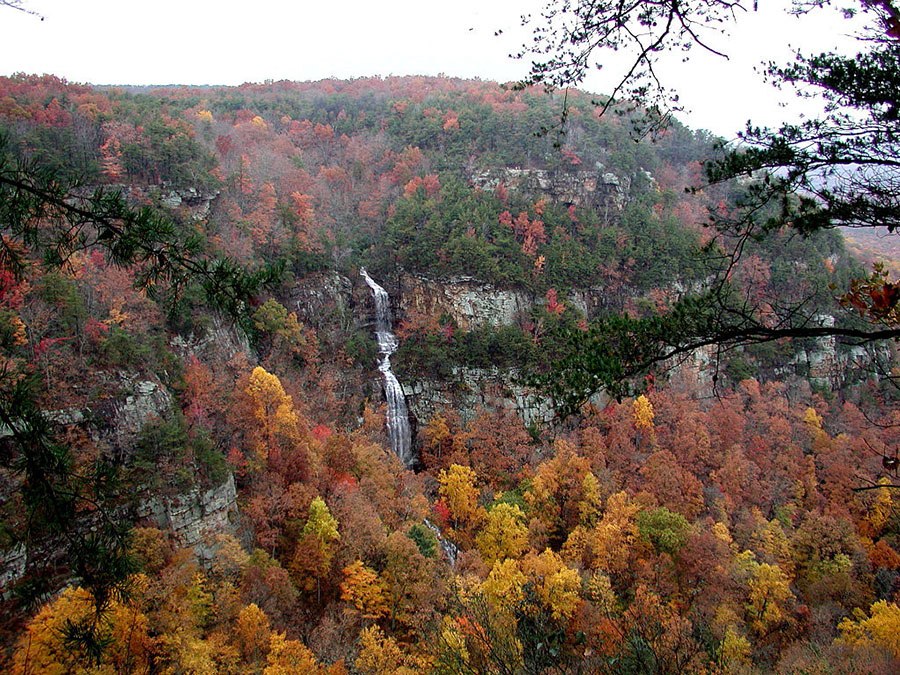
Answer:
(46, 219)
(836, 169)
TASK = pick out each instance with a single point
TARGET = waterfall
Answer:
(448, 547)
(397, 412)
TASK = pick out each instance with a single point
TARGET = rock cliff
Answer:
(593, 188)
(469, 302)
(141, 401)
(218, 340)
(469, 390)
(324, 298)
(195, 517)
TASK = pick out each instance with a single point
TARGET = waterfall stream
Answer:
(448, 547)
(399, 432)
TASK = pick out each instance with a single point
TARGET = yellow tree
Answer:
(364, 590)
(590, 508)
(504, 535)
(642, 410)
(289, 657)
(252, 633)
(734, 651)
(316, 548)
(457, 487)
(381, 655)
(879, 512)
(200, 601)
(599, 590)
(770, 592)
(210, 655)
(557, 586)
(556, 497)
(321, 524)
(881, 628)
(43, 649)
(273, 410)
(517, 621)
(642, 414)
(487, 631)
(608, 544)
(503, 586)
(440, 442)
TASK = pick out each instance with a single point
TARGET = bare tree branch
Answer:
(19, 5)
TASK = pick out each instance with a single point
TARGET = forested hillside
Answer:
(232, 503)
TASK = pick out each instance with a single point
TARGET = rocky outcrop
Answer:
(189, 202)
(593, 301)
(596, 189)
(192, 203)
(470, 303)
(830, 365)
(129, 402)
(196, 203)
(217, 341)
(469, 390)
(13, 563)
(322, 299)
(144, 400)
(195, 517)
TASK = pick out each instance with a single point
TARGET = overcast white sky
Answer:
(224, 42)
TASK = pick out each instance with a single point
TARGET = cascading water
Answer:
(397, 413)
(448, 547)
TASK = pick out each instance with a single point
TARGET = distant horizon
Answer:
(200, 44)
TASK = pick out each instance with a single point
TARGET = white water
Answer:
(397, 413)
(448, 547)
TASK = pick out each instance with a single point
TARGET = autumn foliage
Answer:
(705, 526)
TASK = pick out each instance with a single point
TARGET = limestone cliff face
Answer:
(324, 298)
(828, 365)
(470, 303)
(195, 517)
(127, 401)
(131, 400)
(219, 340)
(329, 299)
(594, 188)
(13, 563)
(196, 204)
(470, 390)
(141, 401)
(191, 203)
